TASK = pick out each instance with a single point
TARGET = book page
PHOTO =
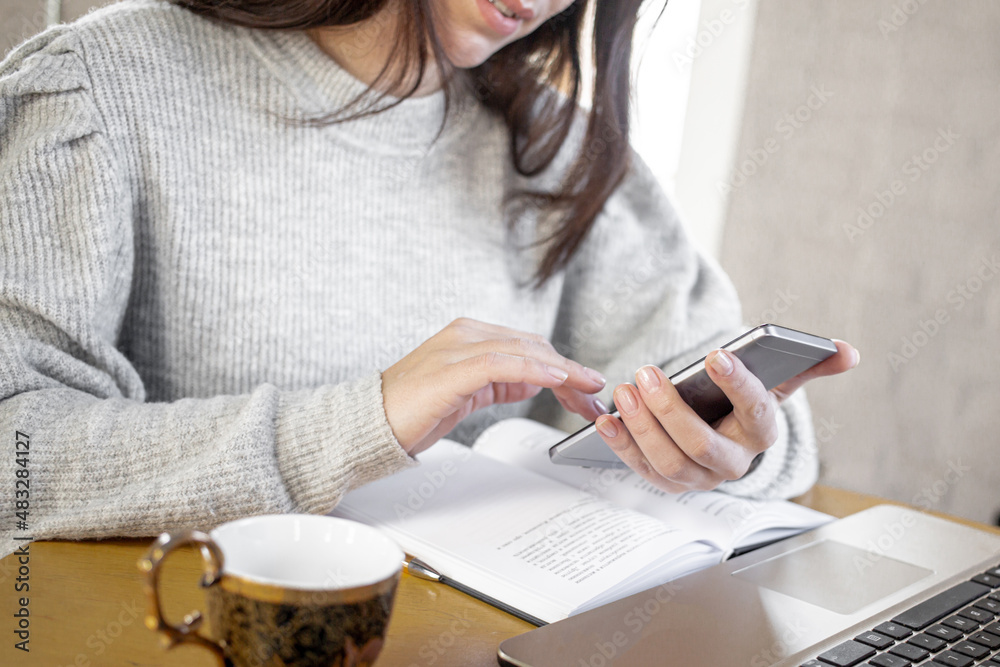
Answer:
(528, 541)
(727, 521)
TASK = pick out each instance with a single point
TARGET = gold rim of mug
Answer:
(256, 590)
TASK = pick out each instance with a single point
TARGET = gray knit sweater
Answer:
(198, 293)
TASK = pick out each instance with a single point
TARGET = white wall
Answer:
(662, 82)
(719, 62)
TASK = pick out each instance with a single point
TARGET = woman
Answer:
(256, 254)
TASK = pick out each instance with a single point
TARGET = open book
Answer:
(551, 541)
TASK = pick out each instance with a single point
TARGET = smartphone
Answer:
(773, 353)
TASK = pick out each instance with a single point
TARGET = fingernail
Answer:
(648, 378)
(625, 401)
(600, 407)
(595, 376)
(607, 428)
(857, 358)
(721, 363)
(557, 373)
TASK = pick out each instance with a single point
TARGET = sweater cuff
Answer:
(333, 439)
(790, 466)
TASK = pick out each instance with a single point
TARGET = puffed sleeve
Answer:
(98, 459)
(639, 292)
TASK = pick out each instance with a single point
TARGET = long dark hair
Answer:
(516, 82)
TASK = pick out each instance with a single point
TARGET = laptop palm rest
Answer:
(860, 581)
(778, 605)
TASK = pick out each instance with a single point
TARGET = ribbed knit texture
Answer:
(198, 291)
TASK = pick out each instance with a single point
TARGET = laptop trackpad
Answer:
(834, 575)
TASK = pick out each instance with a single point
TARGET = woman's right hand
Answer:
(469, 365)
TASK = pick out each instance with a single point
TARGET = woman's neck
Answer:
(364, 48)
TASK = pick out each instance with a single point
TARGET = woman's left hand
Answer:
(661, 438)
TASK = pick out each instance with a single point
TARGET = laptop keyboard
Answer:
(958, 627)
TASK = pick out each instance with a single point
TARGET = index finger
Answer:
(537, 346)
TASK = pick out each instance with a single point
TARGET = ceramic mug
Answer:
(285, 590)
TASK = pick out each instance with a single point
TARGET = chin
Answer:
(467, 51)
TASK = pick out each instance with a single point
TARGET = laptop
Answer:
(889, 586)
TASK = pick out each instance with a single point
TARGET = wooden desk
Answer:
(87, 607)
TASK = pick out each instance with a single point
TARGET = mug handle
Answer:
(150, 563)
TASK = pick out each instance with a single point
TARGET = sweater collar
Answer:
(322, 86)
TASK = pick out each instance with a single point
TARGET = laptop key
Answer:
(941, 605)
(910, 652)
(970, 649)
(989, 605)
(991, 580)
(993, 628)
(847, 654)
(894, 630)
(961, 623)
(944, 632)
(928, 642)
(874, 639)
(889, 660)
(952, 659)
(986, 639)
(978, 615)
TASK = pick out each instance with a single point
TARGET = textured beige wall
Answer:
(74, 9)
(897, 116)
(20, 19)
